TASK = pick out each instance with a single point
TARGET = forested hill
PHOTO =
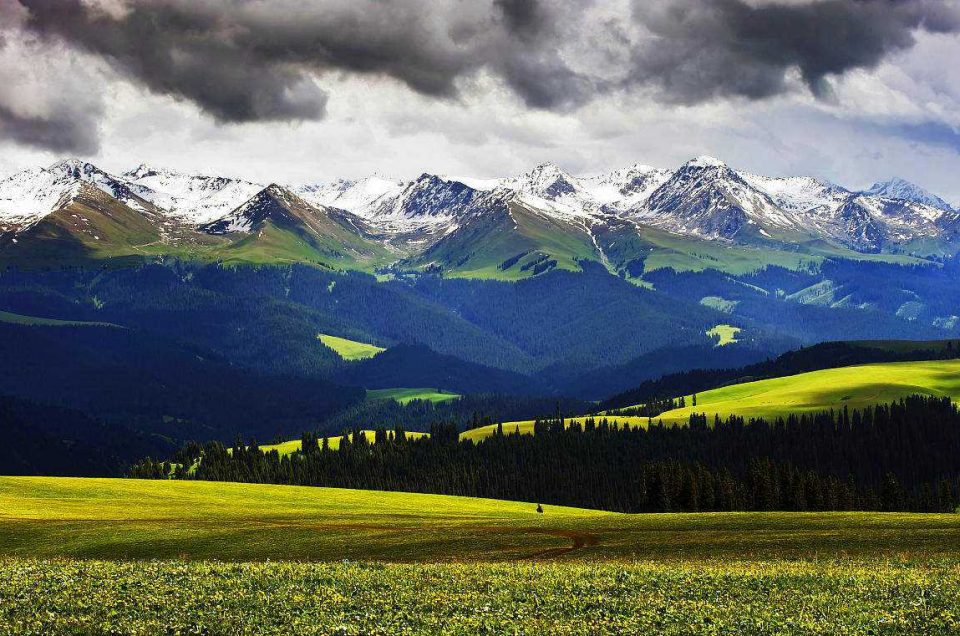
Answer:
(900, 456)
(814, 358)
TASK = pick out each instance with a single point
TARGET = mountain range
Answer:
(702, 215)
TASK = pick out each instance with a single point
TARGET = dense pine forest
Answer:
(900, 456)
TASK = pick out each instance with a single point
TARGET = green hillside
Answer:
(349, 349)
(91, 225)
(510, 242)
(853, 387)
(283, 228)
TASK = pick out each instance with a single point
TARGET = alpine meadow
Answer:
(497, 317)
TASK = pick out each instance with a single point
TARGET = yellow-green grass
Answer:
(405, 395)
(646, 597)
(724, 334)
(854, 387)
(20, 319)
(49, 517)
(349, 349)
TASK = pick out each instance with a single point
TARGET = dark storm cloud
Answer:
(257, 60)
(702, 49)
(69, 131)
(246, 60)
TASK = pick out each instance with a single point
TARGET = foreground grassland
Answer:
(712, 597)
(130, 556)
(854, 387)
(405, 396)
(133, 519)
(349, 349)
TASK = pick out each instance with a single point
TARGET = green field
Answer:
(349, 349)
(51, 517)
(724, 334)
(854, 387)
(121, 556)
(405, 396)
(710, 597)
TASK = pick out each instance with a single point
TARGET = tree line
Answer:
(894, 457)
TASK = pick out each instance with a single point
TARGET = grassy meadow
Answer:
(724, 334)
(131, 556)
(349, 349)
(855, 387)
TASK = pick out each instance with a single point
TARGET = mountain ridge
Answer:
(704, 203)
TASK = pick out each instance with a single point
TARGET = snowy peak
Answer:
(626, 187)
(897, 188)
(195, 199)
(798, 194)
(361, 196)
(430, 195)
(28, 196)
(273, 203)
(704, 161)
(548, 181)
(707, 199)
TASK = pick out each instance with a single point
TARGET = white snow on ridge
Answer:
(797, 194)
(361, 197)
(195, 199)
(30, 195)
(702, 198)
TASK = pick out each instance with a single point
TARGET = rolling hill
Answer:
(852, 387)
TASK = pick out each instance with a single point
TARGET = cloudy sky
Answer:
(283, 90)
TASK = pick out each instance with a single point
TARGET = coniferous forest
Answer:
(894, 457)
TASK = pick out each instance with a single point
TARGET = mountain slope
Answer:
(87, 223)
(276, 225)
(897, 188)
(505, 237)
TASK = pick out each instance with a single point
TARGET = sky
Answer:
(852, 91)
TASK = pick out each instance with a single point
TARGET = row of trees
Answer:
(900, 456)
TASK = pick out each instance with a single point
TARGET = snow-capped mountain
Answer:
(360, 197)
(627, 187)
(704, 199)
(897, 188)
(193, 199)
(28, 196)
(428, 199)
(798, 194)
